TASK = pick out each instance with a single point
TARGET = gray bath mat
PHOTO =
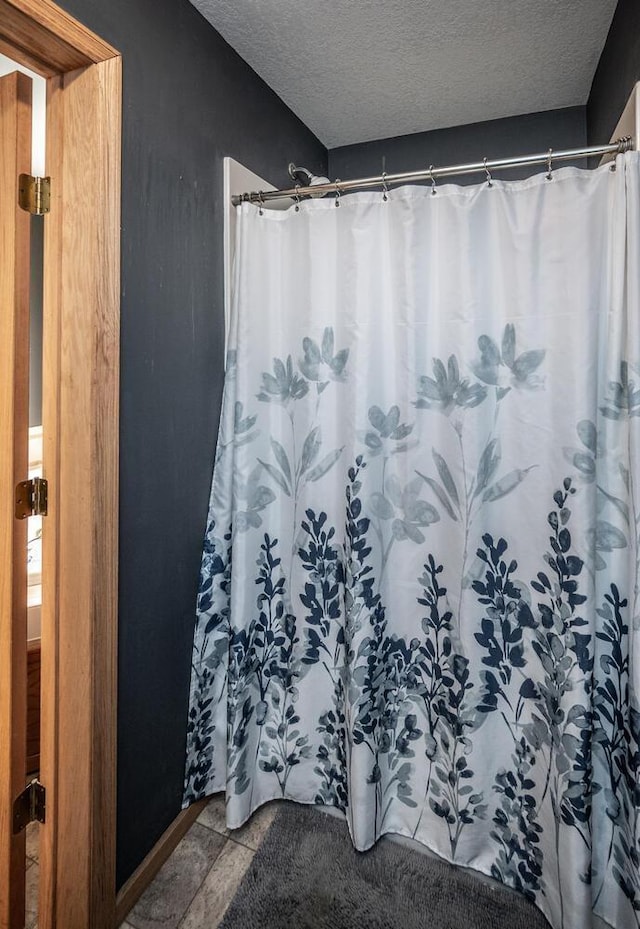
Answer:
(307, 875)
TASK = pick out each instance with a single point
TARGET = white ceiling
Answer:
(356, 70)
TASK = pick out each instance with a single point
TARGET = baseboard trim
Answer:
(132, 890)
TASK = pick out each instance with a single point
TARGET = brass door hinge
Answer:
(31, 498)
(29, 806)
(34, 194)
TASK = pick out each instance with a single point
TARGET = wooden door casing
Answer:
(80, 458)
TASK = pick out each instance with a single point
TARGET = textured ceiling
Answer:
(356, 70)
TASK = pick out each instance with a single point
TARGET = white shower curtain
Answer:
(419, 593)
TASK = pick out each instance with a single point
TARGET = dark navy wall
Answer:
(188, 101)
(617, 72)
(495, 138)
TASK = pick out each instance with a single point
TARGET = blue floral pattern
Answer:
(495, 718)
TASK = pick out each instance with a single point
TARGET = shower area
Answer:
(419, 595)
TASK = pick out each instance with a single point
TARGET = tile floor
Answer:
(197, 883)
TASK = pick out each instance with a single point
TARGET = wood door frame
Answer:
(15, 158)
(80, 458)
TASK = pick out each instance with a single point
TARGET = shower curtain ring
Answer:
(338, 193)
(433, 181)
(624, 145)
(549, 166)
(297, 198)
(260, 203)
(385, 189)
(489, 180)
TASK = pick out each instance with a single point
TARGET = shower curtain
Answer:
(419, 597)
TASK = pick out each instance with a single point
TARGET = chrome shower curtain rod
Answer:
(432, 173)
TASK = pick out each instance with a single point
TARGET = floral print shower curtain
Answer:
(419, 598)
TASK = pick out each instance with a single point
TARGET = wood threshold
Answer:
(132, 890)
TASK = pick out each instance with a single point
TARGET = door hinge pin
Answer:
(29, 806)
(34, 194)
(32, 498)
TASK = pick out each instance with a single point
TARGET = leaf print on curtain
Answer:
(419, 596)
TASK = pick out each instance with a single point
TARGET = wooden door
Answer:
(15, 159)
